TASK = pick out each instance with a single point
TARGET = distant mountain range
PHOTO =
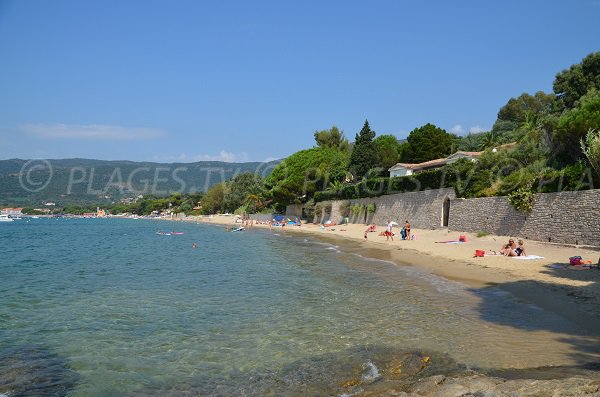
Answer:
(80, 181)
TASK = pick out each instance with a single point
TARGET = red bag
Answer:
(575, 261)
(462, 239)
(479, 253)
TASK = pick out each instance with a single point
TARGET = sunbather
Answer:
(520, 250)
(509, 249)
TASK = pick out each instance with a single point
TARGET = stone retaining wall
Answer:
(564, 217)
(422, 209)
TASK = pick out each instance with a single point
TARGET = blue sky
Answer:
(252, 80)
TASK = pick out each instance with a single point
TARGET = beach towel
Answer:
(528, 257)
(450, 242)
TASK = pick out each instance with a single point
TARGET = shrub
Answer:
(371, 208)
(356, 209)
(482, 234)
(522, 199)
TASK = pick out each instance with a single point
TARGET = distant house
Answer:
(406, 169)
(12, 211)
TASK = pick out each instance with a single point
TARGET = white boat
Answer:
(5, 218)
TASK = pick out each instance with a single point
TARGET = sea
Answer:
(108, 307)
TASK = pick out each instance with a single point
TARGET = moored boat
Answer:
(5, 218)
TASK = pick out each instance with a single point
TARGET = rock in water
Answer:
(34, 371)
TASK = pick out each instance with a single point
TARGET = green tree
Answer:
(518, 109)
(239, 188)
(572, 84)
(428, 143)
(212, 202)
(573, 126)
(504, 127)
(388, 151)
(332, 138)
(297, 177)
(364, 152)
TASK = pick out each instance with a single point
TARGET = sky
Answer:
(184, 81)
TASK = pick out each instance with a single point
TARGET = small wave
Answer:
(371, 372)
(333, 248)
(440, 283)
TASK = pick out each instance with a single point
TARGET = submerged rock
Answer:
(380, 371)
(34, 371)
(485, 386)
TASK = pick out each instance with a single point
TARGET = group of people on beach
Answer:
(511, 249)
(389, 231)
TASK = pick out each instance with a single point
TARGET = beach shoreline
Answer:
(548, 282)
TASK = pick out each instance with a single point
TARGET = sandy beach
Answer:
(549, 282)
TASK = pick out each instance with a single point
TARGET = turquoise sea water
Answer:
(106, 307)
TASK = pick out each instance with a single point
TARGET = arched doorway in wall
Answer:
(446, 212)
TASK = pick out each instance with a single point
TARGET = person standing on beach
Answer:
(388, 231)
(407, 230)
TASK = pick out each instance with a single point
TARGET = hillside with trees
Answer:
(99, 182)
(540, 142)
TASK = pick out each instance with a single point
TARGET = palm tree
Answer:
(335, 186)
(490, 139)
(591, 148)
(254, 198)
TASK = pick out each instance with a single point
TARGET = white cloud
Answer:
(477, 129)
(223, 155)
(90, 132)
(457, 129)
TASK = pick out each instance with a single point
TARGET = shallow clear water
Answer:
(107, 307)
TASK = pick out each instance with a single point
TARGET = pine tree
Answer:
(364, 152)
